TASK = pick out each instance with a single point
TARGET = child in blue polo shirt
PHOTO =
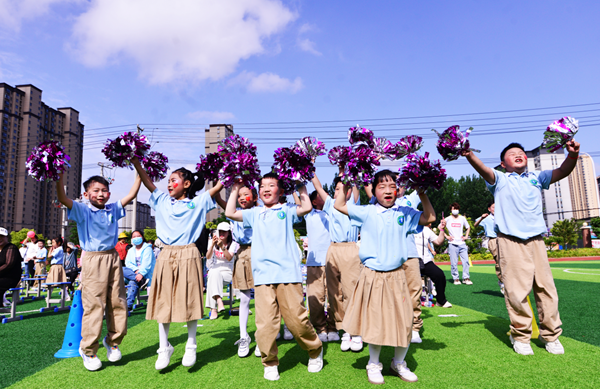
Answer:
(103, 287)
(276, 272)
(488, 223)
(380, 308)
(521, 250)
(176, 293)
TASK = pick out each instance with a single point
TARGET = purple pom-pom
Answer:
(452, 142)
(410, 144)
(243, 166)
(311, 146)
(384, 149)
(559, 133)
(47, 161)
(293, 165)
(358, 135)
(236, 144)
(121, 150)
(339, 155)
(155, 164)
(210, 165)
(361, 166)
(421, 173)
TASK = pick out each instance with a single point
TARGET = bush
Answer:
(587, 252)
(474, 257)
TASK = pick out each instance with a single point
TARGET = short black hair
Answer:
(491, 203)
(455, 205)
(196, 181)
(381, 175)
(510, 146)
(273, 176)
(99, 179)
(313, 195)
(59, 240)
(336, 181)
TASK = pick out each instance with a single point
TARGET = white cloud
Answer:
(211, 115)
(267, 82)
(177, 41)
(307, 45)
(14, 12)
(306, 27)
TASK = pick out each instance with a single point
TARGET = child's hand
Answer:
(485, 215)
(237, 186)
(465, 153)
(442, 224)
(573, 147)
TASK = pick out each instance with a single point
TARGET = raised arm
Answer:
(485, 172)
(369, 190)
(216, 189)
(305, 206)
(132, 192)
(428, 215)
(319, 188)
(355, 194)
(220, 201)
(296, 199)
(340, 202)
(230, 210)
(568, 164)
(480, 219)
(60, 192)
(143, 175)
(441, 236)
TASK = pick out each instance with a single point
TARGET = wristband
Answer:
(576, 158)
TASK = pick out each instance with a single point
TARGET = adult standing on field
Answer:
(456, 225)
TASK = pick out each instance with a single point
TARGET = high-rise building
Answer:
(143, 220)
(212, 135)
(584, 188)
(26, 122)
(556, 200)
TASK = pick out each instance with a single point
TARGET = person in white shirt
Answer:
(32, 249)
(456, 225)
(220, 254)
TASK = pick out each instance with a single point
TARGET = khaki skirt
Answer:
(56, 274)
(380, 309)
(242, 269)
(176, 292)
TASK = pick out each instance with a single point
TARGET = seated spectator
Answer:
(56, 259)
(10, 264)
(220, 259)
(139, 265)
(71, 267)
(122, 248)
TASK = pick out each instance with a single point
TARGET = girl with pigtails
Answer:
(176, 293)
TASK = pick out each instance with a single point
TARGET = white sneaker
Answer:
(316, 364)
(112, 352)
(446, 304)
(402, 371)
(521, 348)
(257, 351)
(457, 282)
(243, 346)
(346, 339)
(91, 363)
(287, 335)
(468, 281)
(322, 337)
(356, 344)
(271, 373)
(501, 285)
(189, 358)
(374, 373)
(416, 338)
(553, 347)
(333, 336)
(164, 357)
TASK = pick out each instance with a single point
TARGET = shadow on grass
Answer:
(494, 293)
(495, 325)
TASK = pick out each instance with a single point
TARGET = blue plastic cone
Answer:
(70, 346)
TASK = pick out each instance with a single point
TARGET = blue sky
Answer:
(344, 62)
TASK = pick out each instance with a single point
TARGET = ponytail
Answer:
(196, 181)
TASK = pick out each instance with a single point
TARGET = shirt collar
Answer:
(94, 209)
(174, 200)
(275, 207)
(524, 174)
(381, 209)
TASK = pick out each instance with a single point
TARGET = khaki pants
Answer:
(493, 247)
(103, 290)
(342, 270)
(316, 291)
(412, 270)
(273, 302)
(40, 270)
(524, 265)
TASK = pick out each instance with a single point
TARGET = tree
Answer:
(150, 234)
(566, 232)
(73, 234)
(595, 224)
(16, 237)
(473, 196)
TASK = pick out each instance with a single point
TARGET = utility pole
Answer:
(134, 217)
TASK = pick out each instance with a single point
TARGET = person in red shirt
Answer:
(122, 246)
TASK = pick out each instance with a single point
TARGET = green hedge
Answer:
(551, 254)
(474, 257)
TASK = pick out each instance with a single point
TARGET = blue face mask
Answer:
(136, 241)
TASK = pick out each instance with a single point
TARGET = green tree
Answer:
(73, 234)
(16, 237)
(473, 196)
(150, 234)
(566, 232)
(595, 224)
(441, 199)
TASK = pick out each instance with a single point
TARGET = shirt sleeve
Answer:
(248, 216)
(413, 223)
(465, 223)
(360, 213)
(119, 211)
(155, 198)
(234, 247)
(205, 201)
(58, 254)
(414, 199)
(499, 177)
(77, 212)
(146, 261)
(293, 212)
(328, 206)
(545, 178)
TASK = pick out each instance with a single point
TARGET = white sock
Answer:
(192, 326)
(374, 351)
(400, 353)
(163, 334)
(244, 312)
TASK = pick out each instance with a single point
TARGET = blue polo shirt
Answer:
(180, 222)
(341, 228)
(98, 229)
(275, 253)
(489, 225)
(240, 234)
(317, 229)
(58, 256)
(41, 255)
(384, 234)
(518, 199)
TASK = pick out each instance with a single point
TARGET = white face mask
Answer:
(455, 212)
